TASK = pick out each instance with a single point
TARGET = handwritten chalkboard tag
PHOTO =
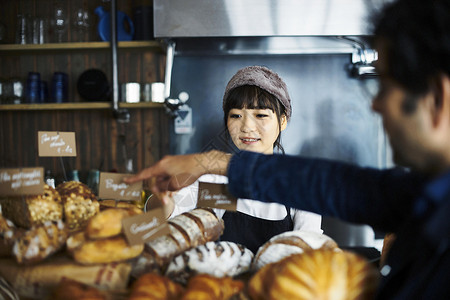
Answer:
(142, 228)
(23, 181)
(56, 143)
(215, 195)
(112, 187)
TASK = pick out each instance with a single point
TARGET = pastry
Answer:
(207, 287)
(151, 286)
(8, 234)
(34, 210)
(109, 203)
(103, 251)
(39, 242)
(108, 222)
(219, 259)
(290, 242)
(69, 289)
(80, 203)
(316, 274)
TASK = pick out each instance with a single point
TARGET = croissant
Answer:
(152, 286)
(316, 274)
(207, 287)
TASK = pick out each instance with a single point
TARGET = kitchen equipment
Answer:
(92, 85)
(23, 29)
(125, 27)
(131, 92)
(156, 90)
(60, 87)
(33, 88)
(143, 21)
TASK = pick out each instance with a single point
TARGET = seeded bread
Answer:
(80, 203)
(34, 210)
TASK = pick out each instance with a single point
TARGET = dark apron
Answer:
(253, 232)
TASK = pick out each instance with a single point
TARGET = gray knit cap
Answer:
(264, 78)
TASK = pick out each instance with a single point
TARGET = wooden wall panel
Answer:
(98, 137)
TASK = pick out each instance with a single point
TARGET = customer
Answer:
(256, 107)
(413, 41)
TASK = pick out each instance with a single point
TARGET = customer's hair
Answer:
(253, 97)
(417, 37)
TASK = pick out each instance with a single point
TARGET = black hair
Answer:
(254, 97)
(417, 38)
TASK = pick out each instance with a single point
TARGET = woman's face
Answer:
(254, 129)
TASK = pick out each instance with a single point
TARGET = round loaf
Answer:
(316, 274)
(288, 243)
(219, 259)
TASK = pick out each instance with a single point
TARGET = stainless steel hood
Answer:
(248, 27)
(268, 26)
(234, 18)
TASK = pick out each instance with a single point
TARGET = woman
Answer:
(256, 108)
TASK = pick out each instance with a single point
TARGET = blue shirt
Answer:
(392, 200)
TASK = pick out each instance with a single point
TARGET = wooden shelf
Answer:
(154, 45)
(77, 106)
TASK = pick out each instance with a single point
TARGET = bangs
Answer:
(252, 97)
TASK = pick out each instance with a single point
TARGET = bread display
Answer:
(316, 274)
(8, 234)
(207, 287)
(109, 203)
(152, 286)
(187, 230)
(108, 222)
(103, 251)
(288, 243)
(40, 242)
(69, 289)
(80, 203)
(34, 209)
(102, 241)
(219, 259)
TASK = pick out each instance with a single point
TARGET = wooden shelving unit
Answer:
(77, 106)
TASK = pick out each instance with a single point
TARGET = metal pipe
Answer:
(170, 52)
(114, 63)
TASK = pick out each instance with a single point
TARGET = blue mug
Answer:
(33, 88)
(59, 88)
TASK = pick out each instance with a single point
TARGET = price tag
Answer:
(112, 187)
(56, 143)
(23, 181)
(141, 228)
(215, 195)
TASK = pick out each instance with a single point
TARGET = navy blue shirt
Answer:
(392, 200)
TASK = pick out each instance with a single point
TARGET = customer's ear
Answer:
(441, 103)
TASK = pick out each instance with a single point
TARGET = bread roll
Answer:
(288, 243)
(187, 230)
(219, 259)
(108, 223)
(35, 209)
(40, 242)
(316, 274)
(80, 203)
(207, 287)
(69, 289)
(151, 286)
(103, 251)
